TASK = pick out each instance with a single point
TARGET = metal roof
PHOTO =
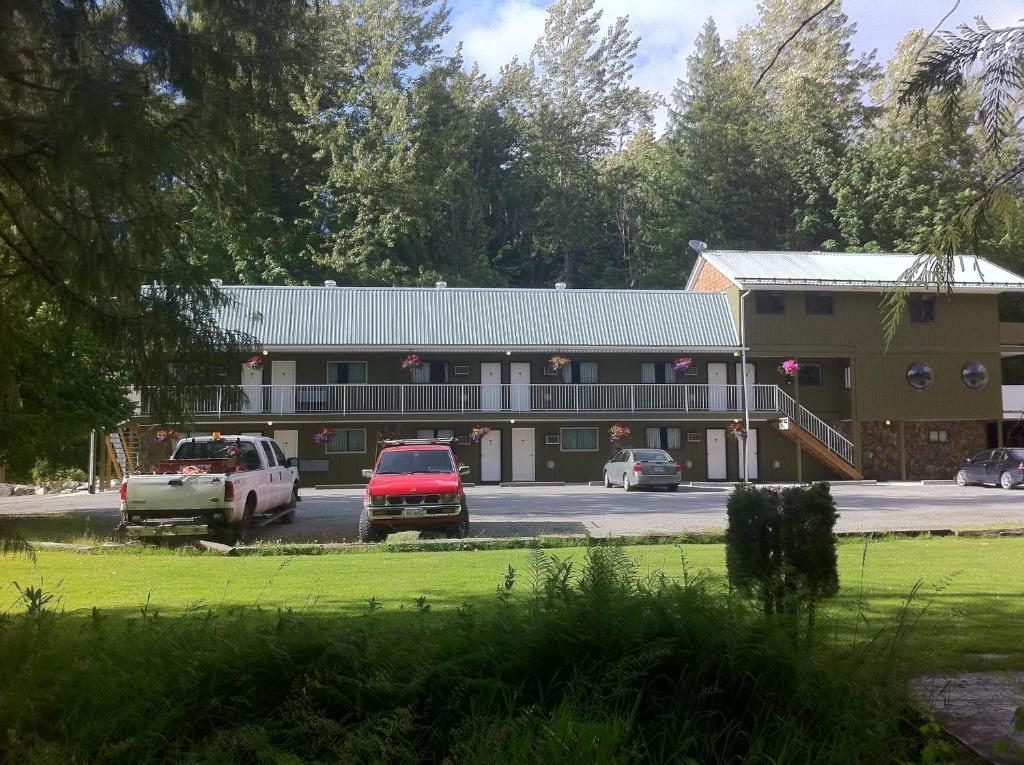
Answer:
(850, 270)
(482, 318)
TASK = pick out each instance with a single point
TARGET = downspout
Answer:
(743, 379)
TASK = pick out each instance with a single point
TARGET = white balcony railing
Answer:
(442, 399)
(454, 399)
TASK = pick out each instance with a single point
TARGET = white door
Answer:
(252, 382)
(718, 389)
(288, 440)
(523, 460)
(716, 454)
(751, 454)
(490, 386)
(282, 380)
(751, 381)
(490, 457)
(520, 379)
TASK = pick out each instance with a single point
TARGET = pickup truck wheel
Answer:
(459, 529)
(243, 530)
(367, 531)
(290, 516)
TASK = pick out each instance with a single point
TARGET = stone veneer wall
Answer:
(937, 460)
(880, 449)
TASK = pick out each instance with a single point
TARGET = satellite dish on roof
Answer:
(698, 246)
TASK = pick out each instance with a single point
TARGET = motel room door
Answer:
(524, 463)
(490, 457)
(252, 388)
(490, 386)
(282, 381)
(716, 454)
(520, 398)
(718, 389)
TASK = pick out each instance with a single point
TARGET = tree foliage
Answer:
(291, 141)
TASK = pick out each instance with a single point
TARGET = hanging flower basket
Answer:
(618, 433)
(324, 435)
(558, 362)
(254, 363)
(165, 434)
(736, 430)
(478, 432)
(682, 364)
(789, 368)
(411, 362)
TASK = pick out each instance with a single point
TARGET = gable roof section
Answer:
(477, 318)
(847, 270)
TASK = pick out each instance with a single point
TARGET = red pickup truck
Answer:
(415, 485)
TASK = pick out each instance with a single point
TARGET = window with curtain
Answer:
(431, 372)
(346, 372)
(584, 372)
(347, 441)
(664, 438)
(579, 439)
(435, 433)
(655, 373)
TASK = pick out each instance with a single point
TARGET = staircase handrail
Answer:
(820, 430)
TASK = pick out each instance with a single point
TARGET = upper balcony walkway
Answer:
(547, 398)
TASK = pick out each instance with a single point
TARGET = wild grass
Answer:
(595, 658)
(976, 585)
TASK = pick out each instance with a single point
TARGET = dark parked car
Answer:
(1001, 467)
(643, 467)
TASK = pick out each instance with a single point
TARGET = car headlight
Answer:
(449, 498)
(377, 500)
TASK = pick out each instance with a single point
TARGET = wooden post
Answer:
(903, 450)
(799, 430)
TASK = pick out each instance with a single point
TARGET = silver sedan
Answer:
(631, 468)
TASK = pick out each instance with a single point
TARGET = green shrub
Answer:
(781, 546)
(44, 474)
(599, 666)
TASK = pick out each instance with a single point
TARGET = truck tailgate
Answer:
(168, 494)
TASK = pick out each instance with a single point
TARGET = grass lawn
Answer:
(975, 586)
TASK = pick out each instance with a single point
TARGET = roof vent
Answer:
(330, 283)
(560, 285)
(217, 282)
(440, 285)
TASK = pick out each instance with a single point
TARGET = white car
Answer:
(210, 484)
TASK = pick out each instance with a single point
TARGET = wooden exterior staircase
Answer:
(816, 437)
(123, 449)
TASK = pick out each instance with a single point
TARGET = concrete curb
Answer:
(519, 540)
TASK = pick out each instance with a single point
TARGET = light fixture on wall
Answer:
(776, 465)
(508, 353)
(736, 354)
(511, 422)
(888, 422)
(269, 422)
(266, 352)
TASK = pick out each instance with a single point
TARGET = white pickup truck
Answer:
(212, 484)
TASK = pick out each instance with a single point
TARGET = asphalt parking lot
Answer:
(332, 515)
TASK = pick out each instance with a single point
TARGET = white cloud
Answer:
(495, 31)
(494, 39)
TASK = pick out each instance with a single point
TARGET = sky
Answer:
(492, 32)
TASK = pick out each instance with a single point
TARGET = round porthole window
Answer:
(974, 375)
(919, 375)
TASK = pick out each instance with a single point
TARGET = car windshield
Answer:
(651, 455)
(223, 449)
(415, 461)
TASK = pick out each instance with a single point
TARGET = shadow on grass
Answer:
(609, 667)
